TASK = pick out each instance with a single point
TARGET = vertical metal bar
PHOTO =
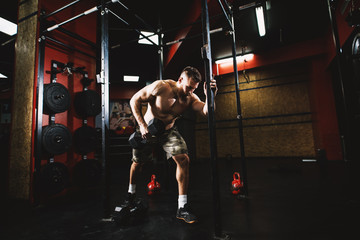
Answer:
(160, 54)
(225, 14)
(243, 175)
(105, 104)
(339, 63)
(206, 52)
(39, 115)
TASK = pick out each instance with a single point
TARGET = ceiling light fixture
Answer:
(131, 78)
(241, 58)
(7, 27)
(153, 37)
(3, 76)
(260, 20)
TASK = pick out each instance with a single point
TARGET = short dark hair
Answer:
(193, 73)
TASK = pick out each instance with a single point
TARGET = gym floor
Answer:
(288, 199)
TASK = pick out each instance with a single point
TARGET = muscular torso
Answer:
(168, 105)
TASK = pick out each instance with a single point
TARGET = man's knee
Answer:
(137, 165)
(182, 159)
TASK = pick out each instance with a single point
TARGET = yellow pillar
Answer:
(22, 103)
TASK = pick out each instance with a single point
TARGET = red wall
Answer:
(86, 28)
(122, 92)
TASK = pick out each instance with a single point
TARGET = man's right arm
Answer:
(144, 95)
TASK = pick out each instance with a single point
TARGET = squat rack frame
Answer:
(103, 79)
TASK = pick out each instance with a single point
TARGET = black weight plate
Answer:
(54, 178)
(85, 139)
(87, 103)
(87, 173)
(56, 98)
(56, 139)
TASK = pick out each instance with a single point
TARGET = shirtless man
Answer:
(167, 100)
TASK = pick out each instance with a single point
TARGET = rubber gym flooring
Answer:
(288, 199)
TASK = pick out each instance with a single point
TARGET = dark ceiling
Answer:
(287, 22)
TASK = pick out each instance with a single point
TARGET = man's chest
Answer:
(171, 104)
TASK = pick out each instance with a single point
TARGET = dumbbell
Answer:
(156, 127)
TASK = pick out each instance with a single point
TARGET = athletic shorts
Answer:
(171, 141)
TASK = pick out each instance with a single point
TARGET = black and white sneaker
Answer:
(186, 215)
(129, 200)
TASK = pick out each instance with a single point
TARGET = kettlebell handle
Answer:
(153, 178)
(236, 175)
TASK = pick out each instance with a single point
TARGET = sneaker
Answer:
(186, 215)
(129, 200)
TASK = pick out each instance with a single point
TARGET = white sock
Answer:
(132, 188)
(182, 201)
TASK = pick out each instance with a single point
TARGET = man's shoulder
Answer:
(161, 86)
(169, 82)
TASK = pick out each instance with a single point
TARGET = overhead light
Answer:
(7, 27)
(131, 78)
(3, 76)
(152, 36)
(260, 20)
(241, 58)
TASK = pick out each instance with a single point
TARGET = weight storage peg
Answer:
(156, 127)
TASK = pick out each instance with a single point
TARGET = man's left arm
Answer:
(200, 106)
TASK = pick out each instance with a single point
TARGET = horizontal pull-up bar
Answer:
(134, 40)
(139, 32)
(77, 36)
(249, 5)
(171, 42)
(87, 12)
(60, 9)
(68, 46)
(194, 36)
(137, 16)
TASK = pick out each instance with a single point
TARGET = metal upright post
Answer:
(104, 75)
(238, 104)
(339, 62)
(160, 53)
(206, 54)
(39, 116)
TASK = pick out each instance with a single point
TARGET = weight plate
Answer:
(56, 98)
(54, 178)
(56, 139)
(87, 103)
(87, 173)
(85, 139)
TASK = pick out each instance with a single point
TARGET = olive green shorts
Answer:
(171, 141)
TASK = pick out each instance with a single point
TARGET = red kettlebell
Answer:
(153, 186)
(237, 184)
